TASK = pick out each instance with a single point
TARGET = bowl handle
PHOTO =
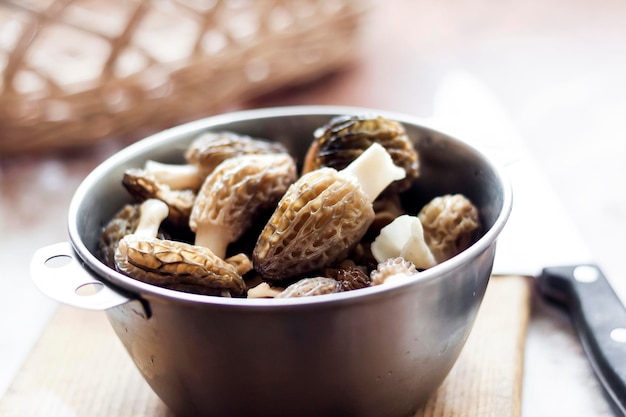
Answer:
(58, 273)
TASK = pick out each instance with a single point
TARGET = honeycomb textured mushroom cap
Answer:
(317, 222)
(167, 263)
(309, 287)
(392, 269)
(143, 186)
(344, 138)
(208, 150)
(349, 277)
(233, 194)
(450, 223)
(123, 223)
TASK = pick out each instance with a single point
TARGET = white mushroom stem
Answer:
(374, 170)
(213, 237)
(403, 237)
(177, 177)
(152, 214)
(264, 290)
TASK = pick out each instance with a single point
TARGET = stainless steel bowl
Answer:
(376, 351)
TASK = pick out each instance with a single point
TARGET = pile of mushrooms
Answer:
(338, 226)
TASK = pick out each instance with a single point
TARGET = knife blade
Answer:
(540, 240)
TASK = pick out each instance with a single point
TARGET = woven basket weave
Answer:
(77, 71)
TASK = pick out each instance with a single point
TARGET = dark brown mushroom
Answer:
(344, 138)
(349, 276)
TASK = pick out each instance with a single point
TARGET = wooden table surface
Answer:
(556, 67)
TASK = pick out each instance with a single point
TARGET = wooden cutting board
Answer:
(79, 368)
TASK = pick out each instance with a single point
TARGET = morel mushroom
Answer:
(403, 237)
(392, 270)
(308, 287)
(349, 277)
(234, 193)
(210, 149)
(142, 185)
(167, 263)
(344, 138)
(204, 154)
(323, 216)
(123, 223)
(450, 223)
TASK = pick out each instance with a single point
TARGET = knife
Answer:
(539, 239)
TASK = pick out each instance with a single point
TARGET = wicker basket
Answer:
(77, 71)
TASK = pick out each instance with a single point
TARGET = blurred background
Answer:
(82, 79)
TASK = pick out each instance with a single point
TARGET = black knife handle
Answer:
(599, 318)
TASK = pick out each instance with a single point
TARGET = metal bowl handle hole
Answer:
(58, 261)
(89, 289)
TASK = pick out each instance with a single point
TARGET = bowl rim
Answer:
(139, 289)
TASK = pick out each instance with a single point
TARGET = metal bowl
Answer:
(375, 351)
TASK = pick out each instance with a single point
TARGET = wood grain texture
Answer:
(486, 381)
(79, 368)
